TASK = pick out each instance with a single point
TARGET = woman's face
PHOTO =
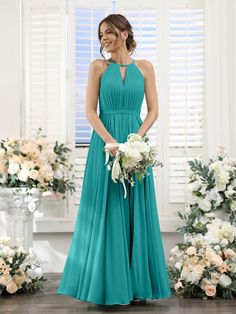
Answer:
(108, 39)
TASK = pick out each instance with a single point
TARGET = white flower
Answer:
(194, 186)
(3, 178)
(204, 204)
(35, 272)
(178, 265)
(5, 240)
(217, 247)
(13, 168)
(224, 280)
(210, 215)
(20, 249)
(23, 174)
(174, 250)
(224, 242)
(230, 191)
(228, 231)
(7, 251)
(213, 194)
(58, 172)
(2, 152)
(233, 205)
(188, 273)
(133, 137)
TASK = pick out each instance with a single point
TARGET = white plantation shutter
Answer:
(186, 94)
(84, 47)
(45, 67)
(86, 19)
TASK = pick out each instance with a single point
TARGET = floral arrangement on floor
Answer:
(35, 163)
(132, 158)
(19, 271)
(204, 265)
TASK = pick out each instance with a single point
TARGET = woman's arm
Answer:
(151, 96)
(96, 68)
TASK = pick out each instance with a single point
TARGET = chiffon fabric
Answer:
(116, 253)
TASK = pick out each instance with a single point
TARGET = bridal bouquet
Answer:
(132, 158)
(35, 163)
(19, 270)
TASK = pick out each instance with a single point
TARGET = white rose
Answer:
(23, 175)
(3, 178)
(5, 240)
(225, 280)
(2, 152)
(133, 137)
(233, 205)
(13, 168)
(224, 242)
(34, 273)
(205, 204)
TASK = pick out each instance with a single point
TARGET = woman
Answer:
(116, 254)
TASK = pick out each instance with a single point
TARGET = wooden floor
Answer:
(47, 301)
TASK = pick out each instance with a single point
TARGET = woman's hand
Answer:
(113, 150)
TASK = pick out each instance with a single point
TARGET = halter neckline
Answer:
(120, 64)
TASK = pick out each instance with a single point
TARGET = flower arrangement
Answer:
(205, 264)
(19, 271)
(212, 187)
(35, 163)
(132, 158)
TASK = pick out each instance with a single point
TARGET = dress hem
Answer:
(115, 303)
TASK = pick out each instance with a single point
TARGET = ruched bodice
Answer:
(120, 100)
(117, 94)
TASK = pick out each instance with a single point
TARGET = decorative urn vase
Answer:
(19, 205)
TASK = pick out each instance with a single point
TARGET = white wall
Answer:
(232, 78)
(10, 68)
(54, 247)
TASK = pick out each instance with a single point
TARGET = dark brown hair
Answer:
(122, 24)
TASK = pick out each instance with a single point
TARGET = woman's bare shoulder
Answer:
(98, 66)
(145, 66)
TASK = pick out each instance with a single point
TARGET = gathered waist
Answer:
(118, 111)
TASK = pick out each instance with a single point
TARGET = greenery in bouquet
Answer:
(133, 157)
(35, 163)
(20, 271)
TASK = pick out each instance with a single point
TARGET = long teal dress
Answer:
(116, 253)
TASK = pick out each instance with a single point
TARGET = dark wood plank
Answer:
(47, 301)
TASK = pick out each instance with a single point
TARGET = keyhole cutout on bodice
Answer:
(123, 72)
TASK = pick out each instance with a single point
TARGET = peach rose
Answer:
(217, 260)
(19, 279)
(223, 267)
(229, 253)
(210, 290)
(191, 250)
(5, 279)
(33, 174)
(11, 287)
